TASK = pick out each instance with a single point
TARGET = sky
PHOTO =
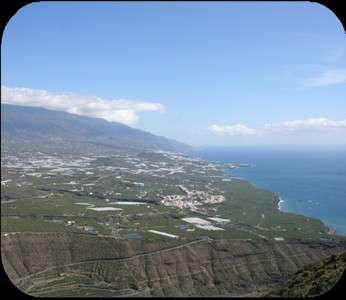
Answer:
(203, 73)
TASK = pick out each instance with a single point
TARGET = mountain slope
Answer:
(314, 279)
(58, 265)
(24, 126)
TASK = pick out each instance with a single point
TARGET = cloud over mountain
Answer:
(113, 110)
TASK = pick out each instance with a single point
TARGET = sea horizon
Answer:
(309, 181)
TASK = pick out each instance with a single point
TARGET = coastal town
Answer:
(191, 199)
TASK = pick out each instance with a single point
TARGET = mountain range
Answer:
(40, 129)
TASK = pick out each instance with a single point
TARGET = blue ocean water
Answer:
(311, 182)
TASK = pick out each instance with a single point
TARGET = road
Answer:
(118, 259)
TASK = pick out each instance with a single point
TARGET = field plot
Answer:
(201, 223)
(164, 233)
(104, 208)
(128, 203)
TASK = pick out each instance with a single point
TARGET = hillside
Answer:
(39, 129)
(314, 279)
(58, 265)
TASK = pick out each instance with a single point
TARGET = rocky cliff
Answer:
(87, 265)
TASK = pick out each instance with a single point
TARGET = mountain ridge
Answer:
(63, 129)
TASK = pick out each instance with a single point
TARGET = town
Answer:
(192, 199)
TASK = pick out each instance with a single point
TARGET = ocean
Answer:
(311, 182)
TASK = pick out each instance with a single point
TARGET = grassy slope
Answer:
(314, 279)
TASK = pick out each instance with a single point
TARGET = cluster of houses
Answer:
(191, 199)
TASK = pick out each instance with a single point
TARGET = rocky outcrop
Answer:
(45, 264)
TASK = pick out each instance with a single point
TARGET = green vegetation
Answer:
(9, 224)
(314, 279)
(98, 182)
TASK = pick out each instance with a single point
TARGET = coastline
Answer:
(278, 202)
(296, 202)
(278, 205)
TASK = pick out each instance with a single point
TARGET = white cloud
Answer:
(232, 130)
(311, 124)
(327, 78)
(117, 110)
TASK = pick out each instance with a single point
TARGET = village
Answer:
(192, 199)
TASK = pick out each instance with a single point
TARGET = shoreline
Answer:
(278, 202)
(324, 208)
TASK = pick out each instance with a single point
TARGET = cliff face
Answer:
(63, 264)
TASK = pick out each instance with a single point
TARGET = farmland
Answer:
(116, 194)
(102, 225)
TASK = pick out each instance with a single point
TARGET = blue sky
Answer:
(204, 73)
